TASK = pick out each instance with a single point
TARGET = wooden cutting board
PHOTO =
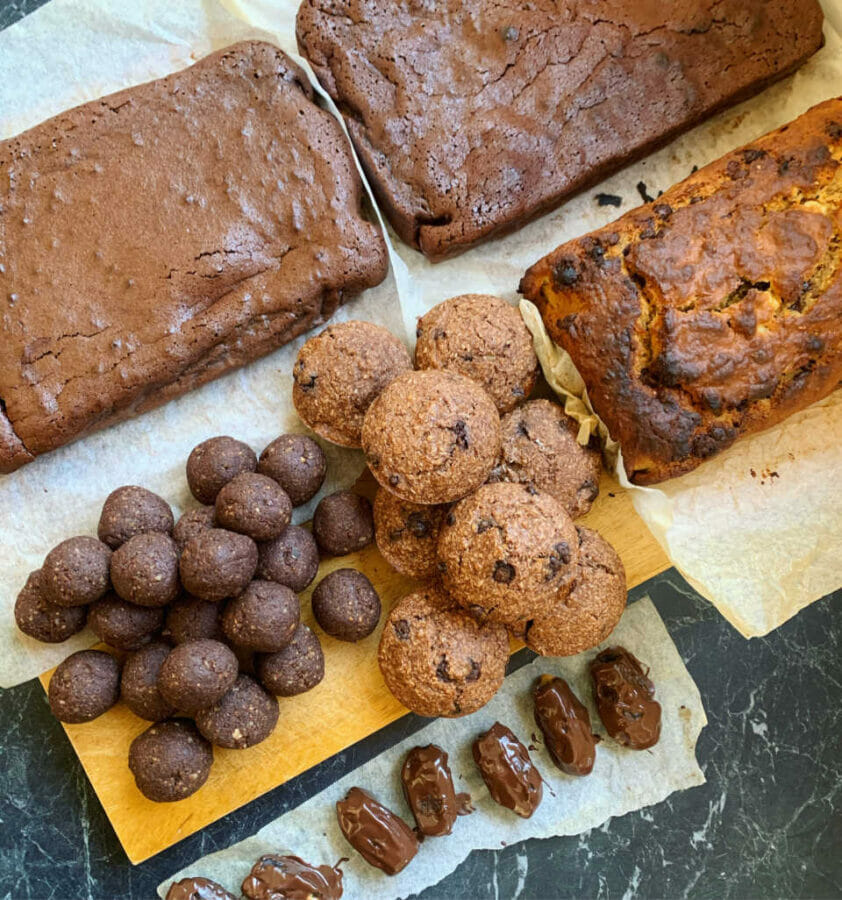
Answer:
(351, 703)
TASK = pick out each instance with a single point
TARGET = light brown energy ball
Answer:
(339, 372)
(483, 338)
(505, 553)
(436, 659)
(217, 564)
(76, 572)
(132, 510)
(407, 534)
(255, 505)
(586, 614)
(540, 449)
(84, 686)
(431, 437)
(48, 622)
(144, 570)
(297, 463)
(215, 462)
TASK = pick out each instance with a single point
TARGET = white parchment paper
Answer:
(622, 780)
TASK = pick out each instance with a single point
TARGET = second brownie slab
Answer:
(471, 118)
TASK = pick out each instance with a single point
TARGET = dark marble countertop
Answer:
(768, 822)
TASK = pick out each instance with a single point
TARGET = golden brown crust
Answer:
(715, 311)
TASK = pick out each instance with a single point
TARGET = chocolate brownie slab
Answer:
(471, 118)
(152, 240)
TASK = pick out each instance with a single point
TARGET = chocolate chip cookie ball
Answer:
(47, 622)
(197, 674)
(139, 684)
(255, 505)
(431, 437)
(192, 523)
(192, 619)
(84, 686)
(346, 605)
(144, 570)
(343, 523)
(505, 553)
(299, 667)
(407, 533)
(132, 510)
(483, 338)
(540, 449)
(339, 372)
(297, 463)
(76, 572)
(245, 716)
(124, 625)
(217, 564)
(292, 559)
(263, 618)
(215, 462)
(439, 661)
(586, 614)
(170, 760)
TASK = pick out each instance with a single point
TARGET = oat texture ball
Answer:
(407, 534)
(483, 338)
(192, 523)
(339, 372)
(540, 449)
(343, 523)
(255, 505)
(297, 463)
(584, 615)
(170, 760)
(216, 564)
(192, 619)
(139, 683)
(215, 462)
(346, 605)
(438, 660)
(431, 437)
(84, 686)
(299, 667)
(76, 572)
(197, 674)
(263, 618)
(291, 559)
(243, 717)
(132, 510)
(505, 552)
(124, 625)
(144, 570)
(43, 620)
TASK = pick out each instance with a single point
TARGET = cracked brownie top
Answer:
(470, 118)
(714, 311)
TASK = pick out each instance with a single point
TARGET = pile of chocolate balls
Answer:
(203, 614)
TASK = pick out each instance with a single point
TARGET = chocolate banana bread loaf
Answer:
(715, 311)
(154, 239)
(471, 118)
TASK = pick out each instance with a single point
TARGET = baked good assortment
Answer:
(470, 119)
(713, 312)
(248, 231)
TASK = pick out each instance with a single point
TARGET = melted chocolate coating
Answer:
(625, 699)
(428, 788)
(506, 768)
(197, 889)
(291, 878)
(383, 839)
(566, 726)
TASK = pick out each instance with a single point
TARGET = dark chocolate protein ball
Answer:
(343, 522)
(255, 505)
(139, 684)
(170, 760)
(217, 564)
(76, 572)
(192, 619)
(292, 559)
(132, 510)
(297, 668)
(144, 570)
(215, 462)
(346, 605)
(245, 716)
(297, 463)
(48, 622)
(263, 618)
(197, 674)
(124, 625)
(84, 686)
(191, 523)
